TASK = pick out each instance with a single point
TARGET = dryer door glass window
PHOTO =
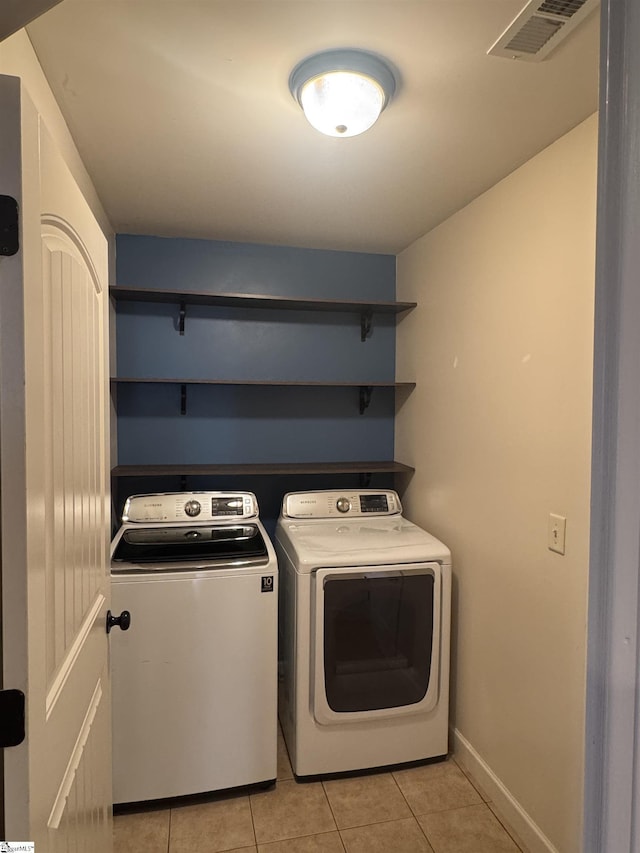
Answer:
(378, 640)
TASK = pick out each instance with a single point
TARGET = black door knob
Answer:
(122, 621)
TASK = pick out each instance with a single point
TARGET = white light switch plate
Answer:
(556, 533)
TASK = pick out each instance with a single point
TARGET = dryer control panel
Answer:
(190, 507)
(347, 504)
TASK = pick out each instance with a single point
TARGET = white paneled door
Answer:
(54, 501)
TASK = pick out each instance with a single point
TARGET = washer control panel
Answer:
(330, 504)
(188, 507)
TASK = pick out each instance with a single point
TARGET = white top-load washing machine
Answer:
(365, 601)
(194, 679)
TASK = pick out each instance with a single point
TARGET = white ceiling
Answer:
(182, 113)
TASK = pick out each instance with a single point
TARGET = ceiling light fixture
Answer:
(342, 92)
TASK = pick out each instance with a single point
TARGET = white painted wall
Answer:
(499, 430)
(18, 59)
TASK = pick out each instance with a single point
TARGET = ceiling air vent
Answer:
(540, 28)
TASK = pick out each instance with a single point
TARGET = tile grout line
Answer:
(342, 842)
(253, 823)
(378, 822)
(324, 790)
(469, 779)
(464, 808)
(451, 809)
(391, 820)
(413, 814)
(506, 829)
(487, 803)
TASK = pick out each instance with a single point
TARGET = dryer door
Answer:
(376, 633)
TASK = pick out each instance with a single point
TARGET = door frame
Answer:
(612, 781)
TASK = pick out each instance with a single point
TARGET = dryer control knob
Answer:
(192, 508)
(343, 505)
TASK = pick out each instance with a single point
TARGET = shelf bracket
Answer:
(365, 479)
(181, 317)
(365, 397)
(183, 399)
(366, 321)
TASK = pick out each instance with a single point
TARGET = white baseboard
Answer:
(506, 805)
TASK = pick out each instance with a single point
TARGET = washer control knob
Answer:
(192, 508)
(343, 505)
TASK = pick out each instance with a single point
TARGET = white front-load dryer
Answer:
(365, 603)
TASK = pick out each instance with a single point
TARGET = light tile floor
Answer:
(430, 809)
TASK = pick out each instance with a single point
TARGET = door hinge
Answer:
(12, 730)
(9, 242)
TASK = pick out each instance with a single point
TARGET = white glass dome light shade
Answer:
(342, 103)
(342, 92)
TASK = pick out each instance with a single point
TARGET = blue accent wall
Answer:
(178, 264)
(257, 424)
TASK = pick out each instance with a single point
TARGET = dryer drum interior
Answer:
(378, 640)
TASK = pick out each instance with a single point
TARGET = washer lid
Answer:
(371, 541)
(211, 543)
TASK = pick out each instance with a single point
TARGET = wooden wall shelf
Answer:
(365, 388)
(365, 308)
(276, 383)
(268, 468)
(257, 300)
